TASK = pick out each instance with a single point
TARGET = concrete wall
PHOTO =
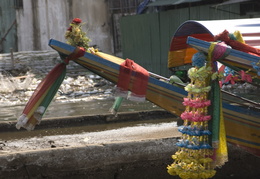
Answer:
(40, 20)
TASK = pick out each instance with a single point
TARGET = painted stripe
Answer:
(244, 111)
(244, 141)
(251, 34)
(243, 123)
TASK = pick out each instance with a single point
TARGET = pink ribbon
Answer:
(245, 77)
(230, 78)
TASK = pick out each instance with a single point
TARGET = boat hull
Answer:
(242, 124)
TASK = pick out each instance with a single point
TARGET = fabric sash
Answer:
(132, 77)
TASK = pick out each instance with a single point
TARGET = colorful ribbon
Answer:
(132, 75)
(44, 93)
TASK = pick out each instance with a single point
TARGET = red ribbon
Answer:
(224, 36)
(139, 76)
(77, 53)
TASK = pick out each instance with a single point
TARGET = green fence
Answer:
(8, 37)
(146, 38)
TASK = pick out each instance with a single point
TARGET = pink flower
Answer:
(197, 100)
(186, 101)
(186, 115)
(207, 103)
(196, 117)
(198, 105)
(206, 118)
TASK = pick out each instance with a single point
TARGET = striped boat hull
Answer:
(242, 124)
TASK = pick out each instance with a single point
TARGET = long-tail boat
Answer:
(242, 116)
(211, 116)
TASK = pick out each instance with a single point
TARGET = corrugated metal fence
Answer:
(146, 38)
(8, 37)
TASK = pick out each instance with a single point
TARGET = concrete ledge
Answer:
(66, 161)
(140, 159)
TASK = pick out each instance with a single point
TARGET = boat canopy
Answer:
(180, 53)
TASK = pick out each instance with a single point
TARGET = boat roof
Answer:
(182, 53)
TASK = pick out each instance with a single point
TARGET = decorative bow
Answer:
(245, 77)
(230, 78)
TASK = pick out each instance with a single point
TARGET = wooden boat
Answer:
(242, 117)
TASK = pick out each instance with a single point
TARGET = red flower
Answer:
(69, 29)
(77, 20)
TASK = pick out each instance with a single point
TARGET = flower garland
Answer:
(195, 156)
(75, 36)
(192, 160)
